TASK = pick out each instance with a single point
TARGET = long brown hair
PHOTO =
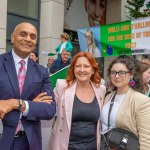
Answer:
(95, 78)
(140, 69)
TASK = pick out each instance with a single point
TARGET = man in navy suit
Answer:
(22, 110)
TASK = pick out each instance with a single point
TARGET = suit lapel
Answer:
(10, 68)
(124, 106)
(69, 99)
(98, 95)
(29, 78)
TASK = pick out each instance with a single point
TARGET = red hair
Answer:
(95, 78)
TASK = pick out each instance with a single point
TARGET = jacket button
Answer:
(60, 130)
(62, 118)
(62, 106)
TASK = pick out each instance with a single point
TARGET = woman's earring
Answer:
(131, 82)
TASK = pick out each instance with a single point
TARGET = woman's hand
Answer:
(42, 97)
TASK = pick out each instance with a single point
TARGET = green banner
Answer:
(115, 39)
(61, 74)
(129, 38)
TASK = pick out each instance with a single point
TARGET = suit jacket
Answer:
(36, 81)
(59, 139)
(134, 116)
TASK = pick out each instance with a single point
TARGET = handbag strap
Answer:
(110, 108)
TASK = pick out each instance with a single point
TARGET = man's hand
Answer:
(7, 105)
(42, 97)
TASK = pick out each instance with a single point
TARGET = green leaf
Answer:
(51, 54)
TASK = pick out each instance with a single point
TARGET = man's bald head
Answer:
(23, 24)
(24, 38)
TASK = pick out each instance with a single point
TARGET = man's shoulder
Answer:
(5, 55)
(9, 53)
(40, 66)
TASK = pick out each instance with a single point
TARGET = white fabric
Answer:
(104, 114)
(63, 46)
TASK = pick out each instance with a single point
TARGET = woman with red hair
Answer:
(79, 101)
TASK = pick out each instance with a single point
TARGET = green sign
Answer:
(115, 39)
(61, 74)
(129, 38)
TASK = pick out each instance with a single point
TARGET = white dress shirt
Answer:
(17, 59)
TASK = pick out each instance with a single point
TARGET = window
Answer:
(28, 8)
(21, 11)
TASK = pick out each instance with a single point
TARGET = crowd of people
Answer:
(84, 114)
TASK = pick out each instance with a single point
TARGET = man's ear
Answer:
(12, 38)
(85, 5)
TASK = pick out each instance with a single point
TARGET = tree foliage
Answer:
(133, 7)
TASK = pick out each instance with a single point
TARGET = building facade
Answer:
(48, 17)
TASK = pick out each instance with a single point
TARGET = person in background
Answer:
(102, 80)
(79, 102)
(34, 56)
(145, 61)
(49, 64)
(142, 75)
(91, 45)
(65, 61)
(96, 11)
(26, 96)
(131, 109)
(64, 45)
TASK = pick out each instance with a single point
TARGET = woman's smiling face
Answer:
(96, 11)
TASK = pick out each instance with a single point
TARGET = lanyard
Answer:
(110, 108)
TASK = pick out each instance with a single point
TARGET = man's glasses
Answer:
(121, 74)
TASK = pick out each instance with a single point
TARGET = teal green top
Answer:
(68, 47)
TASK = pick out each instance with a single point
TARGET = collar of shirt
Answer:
(17, 59)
